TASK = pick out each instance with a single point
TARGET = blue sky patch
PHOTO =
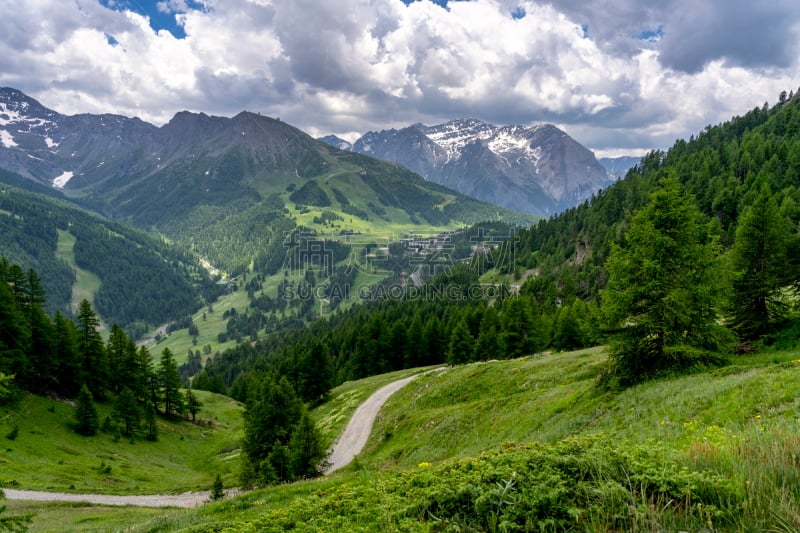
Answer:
(652, 35)
(440, 3)
(518, 13)
(160, 19)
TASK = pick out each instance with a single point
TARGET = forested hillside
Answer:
(713, 199)
(143, 281)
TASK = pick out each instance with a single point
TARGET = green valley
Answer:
(629, 364)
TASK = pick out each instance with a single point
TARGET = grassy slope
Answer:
(86, 283)
(739, 422)
(48, 455)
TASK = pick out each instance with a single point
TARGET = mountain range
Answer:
(538, 169)
(152, 176)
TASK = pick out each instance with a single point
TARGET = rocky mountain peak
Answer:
(534, 169)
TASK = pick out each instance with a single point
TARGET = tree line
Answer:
(70, 359)
(732, 257)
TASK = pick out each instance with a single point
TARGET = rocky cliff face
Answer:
(538, 169)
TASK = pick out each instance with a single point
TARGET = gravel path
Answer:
(187, 499)
(355, 435)
(347, 446)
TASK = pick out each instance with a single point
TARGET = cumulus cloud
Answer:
(604, 72)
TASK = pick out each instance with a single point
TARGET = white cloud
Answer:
(333, 66)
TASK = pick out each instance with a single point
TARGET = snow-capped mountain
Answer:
(54, 149)
(537, 169)
(336, 142)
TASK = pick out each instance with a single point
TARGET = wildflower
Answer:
(758, 417)
(424, 464)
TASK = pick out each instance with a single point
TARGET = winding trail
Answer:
(347, 446)
(355, 435)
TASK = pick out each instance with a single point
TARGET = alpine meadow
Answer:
(197, 318)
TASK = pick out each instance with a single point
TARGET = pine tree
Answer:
(487, 346)
(193, 404)
(86, 413)
(170, 381)
(151, 430)
(462, 345)
(315, 373)
(518, 334)
(662, 288)
(44, 373)
(269, 418)
(121, 352)
(65, 356)
(305, 449)
(759, 259)
(14, 336)
(92, 350)
(127, 412)
(278, 468)
(217, 489)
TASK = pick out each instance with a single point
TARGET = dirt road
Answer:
(347, 446)
(355, 435)
(187, 499)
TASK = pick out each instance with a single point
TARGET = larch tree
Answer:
(92, 349)
(86, 413)
(759, 258)
(660, 299)
(170, 382)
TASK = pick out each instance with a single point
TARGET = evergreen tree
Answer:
(127, 412)
(44, 371)
(517, 333)
(662, 288)
(14, 336)
(568, 331)
(278, 468)
(170, 383)
(462, 345)
(122, 362)
(269, 418)
(415, 347)
(487, 346)
(305, 449)
(69, 370)
(217, 489)
(193, 404)
(92, 350)
(145, 382)
(759, 260)
(86, 413)
(151, 430)
(315, 373)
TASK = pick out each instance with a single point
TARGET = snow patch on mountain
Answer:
(62, 180)
(7, 140)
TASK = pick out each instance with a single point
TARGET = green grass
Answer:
(332, 416)
(179, 342)
(48, 455)
(715, 450)
(86, 283)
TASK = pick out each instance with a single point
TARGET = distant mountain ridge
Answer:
(538, 169)
(617, 167)
(151, 176)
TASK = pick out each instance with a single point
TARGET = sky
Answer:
(622, 77)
